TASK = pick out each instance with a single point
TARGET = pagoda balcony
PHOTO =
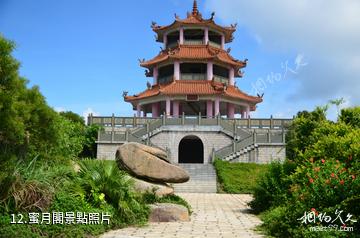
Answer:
(221, 79)
(193, 76)
(194, 42)
(214, 44)
(165, 79)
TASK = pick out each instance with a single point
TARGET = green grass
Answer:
(238, 177)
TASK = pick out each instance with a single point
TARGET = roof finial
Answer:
(195, 8)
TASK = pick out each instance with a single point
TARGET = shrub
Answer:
(101, 182)
(272, 188)
(325, 181)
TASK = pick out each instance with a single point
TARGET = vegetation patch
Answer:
(238, 177)
(318, 186)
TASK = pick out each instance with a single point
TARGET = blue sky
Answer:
(83, 54)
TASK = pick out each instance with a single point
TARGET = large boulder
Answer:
(145, 164)
(168, 212)
(152, 150)
(158, 189)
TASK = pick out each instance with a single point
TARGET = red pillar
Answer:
(230, 110)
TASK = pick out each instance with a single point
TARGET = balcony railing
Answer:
(214, 44)
(193, 76)
(193, 42)
(221, 79)
(172, 45)
(237, 123)
(165, 79)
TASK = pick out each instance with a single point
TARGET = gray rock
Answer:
(152, 150)
(158, 189)
(144, 165)
(168, 212)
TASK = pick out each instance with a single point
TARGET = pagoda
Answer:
(193, 74)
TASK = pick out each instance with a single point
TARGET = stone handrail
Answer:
(112, 121)
(255, 138)
(144, 126)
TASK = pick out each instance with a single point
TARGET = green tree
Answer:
(73, 117)
(26, 121)
(298, 136)
(351, 116)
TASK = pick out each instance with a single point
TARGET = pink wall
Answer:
(168, 106)
(177, 70)
(210, 73)
(217, 106)
(155, 109)
(230, 110)
(232, 76)
(138, 110)
(206, 37)
(155, 75)
(176, 108)
(181, 36)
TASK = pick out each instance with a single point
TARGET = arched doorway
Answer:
(191, 150)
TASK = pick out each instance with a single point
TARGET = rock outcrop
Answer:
(149, 164)
(158, 189)
(168, 212)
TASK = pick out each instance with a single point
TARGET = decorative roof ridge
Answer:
(195, 10)
(240, 91)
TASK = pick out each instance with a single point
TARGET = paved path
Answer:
(214, 215)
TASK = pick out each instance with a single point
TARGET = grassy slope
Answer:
(238, 177)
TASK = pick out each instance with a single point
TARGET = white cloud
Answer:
(325, 31)
(89, 111)
(59, 109)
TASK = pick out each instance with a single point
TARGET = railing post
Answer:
(234, 146)
(112, 134)
(271, 122)
(283, 135)
(212, 155)
(269, 136)
(183, 118)
(134, 121)
(235, 129)
(127, 135)
(113, 120)
(164, 119)
(199, 119)
(248, 123)
(90, 119)
(254, 137)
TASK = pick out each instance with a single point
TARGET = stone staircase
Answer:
(246, 154)
(202, 179)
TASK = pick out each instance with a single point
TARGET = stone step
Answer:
(202, 179)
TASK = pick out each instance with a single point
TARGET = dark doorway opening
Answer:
(191, 150)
